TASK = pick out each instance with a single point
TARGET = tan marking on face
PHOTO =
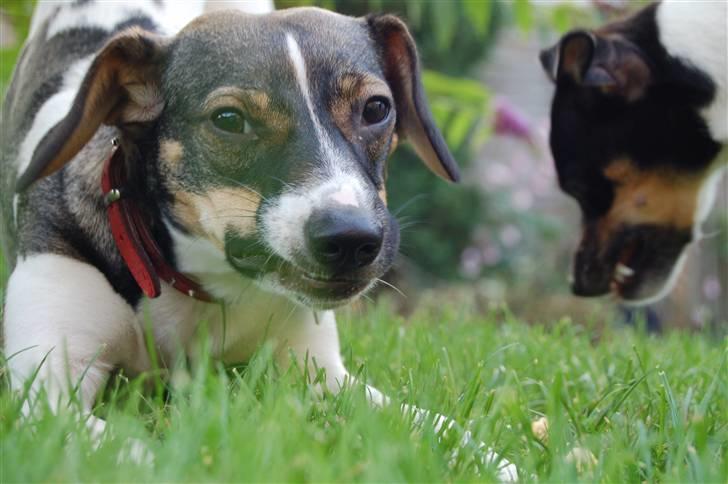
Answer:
(393, 145)
(255, 105)
(258, 100)
(382, 193)
(214, 213)
(353, 90)
(185, 209)
(656, 197)
(226, 96)
(170, 153)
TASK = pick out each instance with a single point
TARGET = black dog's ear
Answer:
(571, 56)
(610, 63)
(120, 87)
(398, 57)
(550, 61)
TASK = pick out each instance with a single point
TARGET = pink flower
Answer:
(511, 122)
(471, 262)
(491, 255)
(510, 236)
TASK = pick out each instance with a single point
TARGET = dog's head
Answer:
(271, 136)
(631, 148)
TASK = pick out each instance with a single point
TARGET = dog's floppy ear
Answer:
(571, 56)
(610, 63)
(398, 56)
(120, 87)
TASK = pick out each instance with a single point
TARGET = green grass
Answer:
(648, 408)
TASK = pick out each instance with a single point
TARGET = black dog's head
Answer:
(631, 148)
(271, 135)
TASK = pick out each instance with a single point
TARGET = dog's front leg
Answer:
(65, 329)
(315, 343)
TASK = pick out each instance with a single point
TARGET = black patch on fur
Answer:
(56, 230)
(65, 48)
(145, 185)
(662, 129)
(141, 21)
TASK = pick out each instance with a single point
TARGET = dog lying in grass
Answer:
(639, 124)
(231, 173)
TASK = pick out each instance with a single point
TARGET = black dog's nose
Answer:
(588, 286)
(591, 276)
(343, 239)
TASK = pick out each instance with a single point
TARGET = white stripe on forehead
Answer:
(328, 153)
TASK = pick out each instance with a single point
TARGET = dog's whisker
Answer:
(226, 217)
(408, 203)
(239, 196)
(280, 264)
(291, 312)
(285, 183)
(247, 187)
(407, 226)
(710, 235)
(235, 209)
(390, 285)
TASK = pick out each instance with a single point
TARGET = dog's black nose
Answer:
(589, 286)
(591, 276)
(343, 239)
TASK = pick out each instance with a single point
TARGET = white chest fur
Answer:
(696, 33)
(179, 323)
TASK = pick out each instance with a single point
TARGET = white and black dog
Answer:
(148, 171)
(639, 127)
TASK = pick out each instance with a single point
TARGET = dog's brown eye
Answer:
(376, 110)
(230, 120)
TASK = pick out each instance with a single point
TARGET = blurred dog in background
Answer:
(639, 123)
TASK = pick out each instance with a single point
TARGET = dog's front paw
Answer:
(132, 450)
(487, 457)
(484, 455)
(135, 451)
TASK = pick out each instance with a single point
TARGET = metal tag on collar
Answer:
(114, 194)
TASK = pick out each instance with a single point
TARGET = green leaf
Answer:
(459, 128)
(523, 12)
(445, 24)
(478, 13)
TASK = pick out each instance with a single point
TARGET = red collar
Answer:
(134, 240)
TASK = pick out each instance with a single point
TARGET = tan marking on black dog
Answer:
(222, 97)
(656, 197)
(170, 153)
(186, 211)
(217, 212)
(382, 193)
(256, 106)
(393, 145)
(352, 92)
